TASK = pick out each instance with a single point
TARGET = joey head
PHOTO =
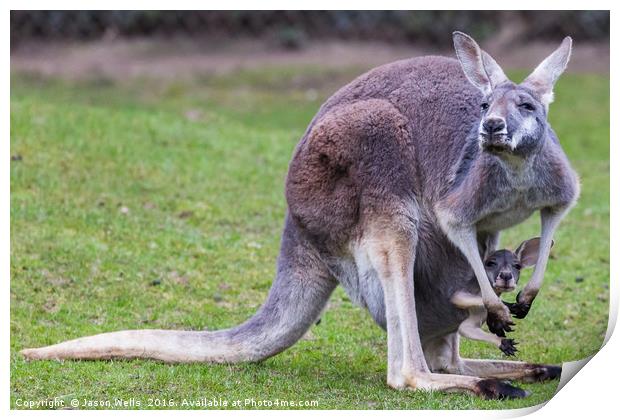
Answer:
(503, 269)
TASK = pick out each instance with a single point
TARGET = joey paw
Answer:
(508, 346)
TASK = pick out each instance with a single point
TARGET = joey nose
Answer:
(505, 276)
(494, 125)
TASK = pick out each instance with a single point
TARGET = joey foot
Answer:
(499, 320)
(508, 346)
(518, 309)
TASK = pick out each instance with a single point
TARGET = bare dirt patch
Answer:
(176, 59)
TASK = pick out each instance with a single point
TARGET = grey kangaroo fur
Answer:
(408, 172)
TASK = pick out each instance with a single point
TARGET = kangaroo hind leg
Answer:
(443, 355)
(513, 370)
(390, 246)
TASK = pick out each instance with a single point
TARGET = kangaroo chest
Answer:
(513, 203)
(509, 210)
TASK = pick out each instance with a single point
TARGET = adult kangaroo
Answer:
(408, 172)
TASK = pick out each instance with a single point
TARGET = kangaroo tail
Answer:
(298, 295)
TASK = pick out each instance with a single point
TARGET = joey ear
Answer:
(527, 252)
(548, 72)
(480, 68)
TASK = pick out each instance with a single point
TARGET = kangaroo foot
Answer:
(484, 388)
(493, 389)
(541, 373)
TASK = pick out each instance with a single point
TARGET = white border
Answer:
(593, 391)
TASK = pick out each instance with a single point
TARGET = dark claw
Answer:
(497, 326)
(544, 373)
(518, 310)
(499, 390)
(508, 346)
(551, 372)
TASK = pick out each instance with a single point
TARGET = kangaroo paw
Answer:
(497, 325)
(493, 389)
(508, 346)
(518, 309)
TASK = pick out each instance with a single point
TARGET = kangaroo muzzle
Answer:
(494, 134)
(505, 282)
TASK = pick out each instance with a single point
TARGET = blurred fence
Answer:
(293, 28)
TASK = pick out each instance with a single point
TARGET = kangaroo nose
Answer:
(505, 276)
(493, 125)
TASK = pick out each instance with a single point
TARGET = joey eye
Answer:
(517, 267)
(484, 106)
(527, 106)
(490, 264)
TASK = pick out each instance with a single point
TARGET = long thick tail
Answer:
(297, 297)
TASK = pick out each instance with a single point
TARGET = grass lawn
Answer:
(138, 204)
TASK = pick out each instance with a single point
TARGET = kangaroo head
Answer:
(513, 117)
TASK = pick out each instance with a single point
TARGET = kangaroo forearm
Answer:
(465, 239)
(550, 219)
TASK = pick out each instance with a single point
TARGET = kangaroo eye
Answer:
(484, 106)
(527, 106)
(490, 264)
(517, 267)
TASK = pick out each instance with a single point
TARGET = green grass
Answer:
(199, 168)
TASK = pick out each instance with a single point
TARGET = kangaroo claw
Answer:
(508, 346)
(498, 326)
(518, 309)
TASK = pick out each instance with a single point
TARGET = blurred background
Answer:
(292, 28)
(106, 43)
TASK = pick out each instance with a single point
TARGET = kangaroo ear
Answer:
(480, 68)
(548, 72)
(527, 252)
